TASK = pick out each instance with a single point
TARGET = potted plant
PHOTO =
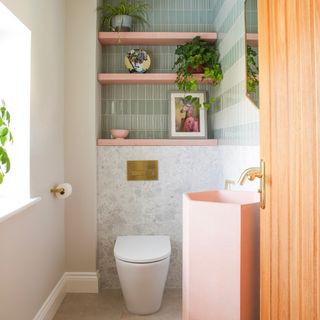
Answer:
(252, 70)
(119, 17)
(197, 56)
(5, 137)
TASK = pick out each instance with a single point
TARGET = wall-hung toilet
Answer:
(142, 265)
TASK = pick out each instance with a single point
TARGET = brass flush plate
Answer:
(142, 170)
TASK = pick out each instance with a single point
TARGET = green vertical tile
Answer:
(134, 107)
(144, 108)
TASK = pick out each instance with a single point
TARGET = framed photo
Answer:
(185, 119)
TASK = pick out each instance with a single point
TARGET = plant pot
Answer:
(121, 23)
(200, 69)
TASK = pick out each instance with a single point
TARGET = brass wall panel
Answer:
(142, 170)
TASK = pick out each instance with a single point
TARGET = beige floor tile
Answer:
(109, 305)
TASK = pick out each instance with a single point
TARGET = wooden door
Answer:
(289, 58)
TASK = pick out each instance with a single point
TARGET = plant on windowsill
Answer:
(120, 17)
(5, 137)
(197, 56)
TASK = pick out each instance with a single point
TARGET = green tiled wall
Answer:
(233, 119)
(239, 134)
(143, 109)
(179, 15)
(162, 58)
(251, 16)
(233, 55)
(235, 9)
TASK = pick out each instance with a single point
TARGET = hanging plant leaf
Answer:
(5, 137)
(197, 55)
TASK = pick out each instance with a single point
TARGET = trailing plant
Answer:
(196, 102)
(135, 8)
(5, 137)
(197, 56)
(252, 70)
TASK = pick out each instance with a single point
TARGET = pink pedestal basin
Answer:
(221, 255)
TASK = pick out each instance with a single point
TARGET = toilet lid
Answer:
(142, 249)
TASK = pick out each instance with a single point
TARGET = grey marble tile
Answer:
(128, 208)
(148, 207)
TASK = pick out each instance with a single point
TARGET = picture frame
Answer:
(186, 121)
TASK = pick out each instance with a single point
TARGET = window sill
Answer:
(12, 207)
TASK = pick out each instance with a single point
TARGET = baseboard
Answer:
(81, 282)
(53, 302)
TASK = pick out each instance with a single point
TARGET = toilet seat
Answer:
(142, 249)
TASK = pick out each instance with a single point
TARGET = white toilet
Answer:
(142, 265)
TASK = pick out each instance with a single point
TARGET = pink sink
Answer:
(225, 196)
(221, 255)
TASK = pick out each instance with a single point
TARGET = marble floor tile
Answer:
(109, 305)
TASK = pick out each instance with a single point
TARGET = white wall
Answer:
(80, 133)
(32, 251)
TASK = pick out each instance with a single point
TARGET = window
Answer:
(15, 61)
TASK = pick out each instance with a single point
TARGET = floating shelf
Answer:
(152, 38)
(141, 78)
(156, 142)
(252, 39)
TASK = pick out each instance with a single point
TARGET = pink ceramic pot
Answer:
(119, 133)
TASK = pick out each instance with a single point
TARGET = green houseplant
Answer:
(5, 137)
(252, 70)
(197, 56)
(119, 17)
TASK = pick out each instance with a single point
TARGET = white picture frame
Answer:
(185, 120)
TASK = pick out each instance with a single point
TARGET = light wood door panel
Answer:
(289, 54)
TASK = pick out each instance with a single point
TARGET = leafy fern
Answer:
(134, 8)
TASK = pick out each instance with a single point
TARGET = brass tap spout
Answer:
(250, 174)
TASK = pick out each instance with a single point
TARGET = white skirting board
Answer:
(80, 282)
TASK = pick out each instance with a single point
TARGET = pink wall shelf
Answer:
(139, 78)
(156, 142)
(252, 39)
(152, 38)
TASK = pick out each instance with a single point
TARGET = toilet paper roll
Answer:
(67, 190)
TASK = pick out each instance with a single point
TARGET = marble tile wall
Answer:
(148, 207)
(155, 207)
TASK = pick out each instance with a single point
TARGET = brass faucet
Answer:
(251, 174)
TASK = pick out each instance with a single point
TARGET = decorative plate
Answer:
(137, 60)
